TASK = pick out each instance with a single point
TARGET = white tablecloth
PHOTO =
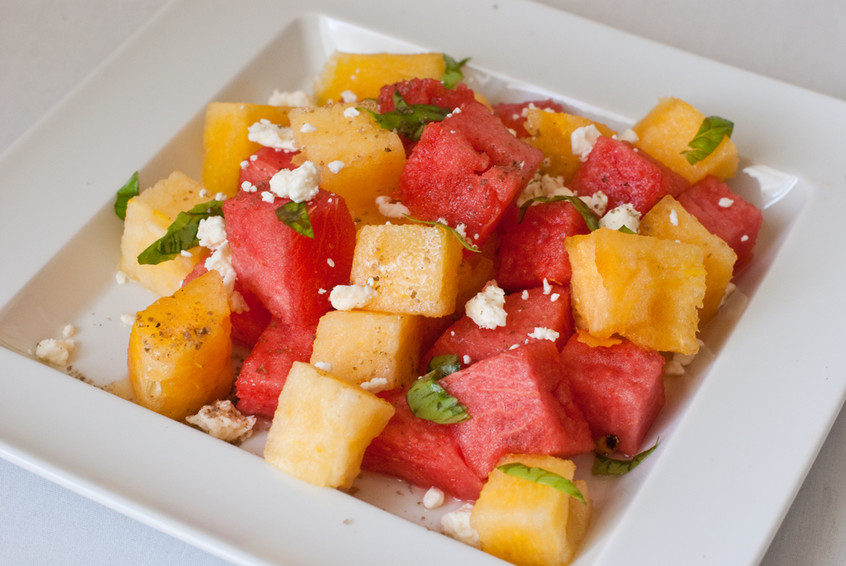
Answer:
(47, 47)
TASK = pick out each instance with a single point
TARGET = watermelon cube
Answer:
(619, 388)
(264, 371)
(291, 273)
(513, 114)
(533, 249)
(726, 215)
(626, 175)
(264, 164)
(513, 408)
(425, 91)
(467, 170)
(421, 452)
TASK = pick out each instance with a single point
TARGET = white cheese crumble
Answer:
(56, 352)
(300, 185)
(456, 524)
(265, 133)
(390, 208)
(744, 238)
(351, 112)
(127, 319)
(629, 135)
(211, 234)
(69, 331)
(583, 139)
(307, 128)
(330, 262)
(465, 359)
(544, 334)
(121, 278)
(325, 366)
(725, 202)
(222, 420)
(299, 98)
(349, 297)
(433, 498)
(335, 166)
(547, 288)
(597, 202)
(674, 217)
(544, 186)
(623, 215)
(375, 385)
(525, 294)
(487, 308)
(349, 96)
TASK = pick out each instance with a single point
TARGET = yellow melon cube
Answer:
(358, 159)
(322, 427)
(665, 132)
(528, 523)
(412, 267)
(643, 288)
(364, 74)
(148, 216)
(379, 350)
(669, 220)
(225, 141)
(179, 349)
(551, 133)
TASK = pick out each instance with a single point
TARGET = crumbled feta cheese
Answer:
(211, 234)
(69, 331)
(391, 209)
(547, 288)
(248, 187)
(554, 297)
(433, 498)
(290, 98)
(267, 196)
(623, 215)
(321, 291)
(56, 352)
(744, 238)
(299, 185)
(203, 193)
(674, 217)
(456, 524)
(375, 385)
(597, 202)
(307, 128)
(351, 112)
(629, 135)
(121, 278)
(349, 297)
(222, 420)
(487, 308)
(127, 319)
(465, 359)
(525, 294)
(330, 262)
(265, 133)
(349, 96)
(185, 253)
(335, 166)
(543, 186)
(582, 140)
(544, 334)
(325, 366)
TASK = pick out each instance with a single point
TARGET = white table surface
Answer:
(47, 47)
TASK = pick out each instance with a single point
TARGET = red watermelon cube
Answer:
(619, 388)
(467, 170)
(527, 310)
(421, 452)
(513, 408)
(264, 164)
(626, 175)
(425, 91)
(726, 215)
(513, 114)
(264, 371)
(533, 249)
(291, 273)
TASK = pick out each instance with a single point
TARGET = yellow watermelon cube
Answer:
(551, 132)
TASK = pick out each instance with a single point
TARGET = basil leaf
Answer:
(467, 245)
(605, 466)
(709, 136)
(626, 230)
(408, 120)
(181, 234)
(591, 219)
(544, 477)
(428, 400)
(444, 364)
(295, 216)
(452, 71)
(126, 192)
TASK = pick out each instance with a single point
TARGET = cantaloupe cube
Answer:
(225, 141)
(322, 426)
(380, 350)
(358, 159)
(365, 74)
(179, 349)
(643, 288)
(528, 523)
(148, 216)
(412, 267)
(551, 133)
(665, 132)
(669, 220)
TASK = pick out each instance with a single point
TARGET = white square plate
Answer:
(740, 430)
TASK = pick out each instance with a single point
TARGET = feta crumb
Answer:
(351, 112)
(597, 202)
(335, 166)
(321, 291)
(465, 359)
(582, 140)
(547, 288)
(487, 308)
(298, 98)
(674, 217)
(299, 185)
(268, 134)
(725, 202)
(325, 366)
(56, 352)
(330, 262)
(69, 331)
(629, 135)
(544, 334)
(375, 385)
(222, 420)
(127, 319)
(744, 238)
(456, 524)
(349, 297)
(554, 297)
(433, 498)
(185, 253)
(543, 186)
(623, 215)
(248, 187)
(525, 294)
(121, 278)
(267, 196)
(211, 234)
(349, 96)
(307, 128)
(203, 193)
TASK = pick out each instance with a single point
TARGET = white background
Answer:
(48, 47)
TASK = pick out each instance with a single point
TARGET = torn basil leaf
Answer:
(444, 364)
(606, 466)
(467, 245)
(428, 400)
(181, 234)
(709, 136)
(591, 219)
(544, 477)
(452, 71)
(408, 120)
(295, 216)
(126, 192)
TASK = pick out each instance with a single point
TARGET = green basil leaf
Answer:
(295, 216)
(709, 136)
(544, 477)
(605, 466)
(428, 400)
(626, 230)
(467, 245)
(452, 71)
(126, 192)
(408, 120)
(591, 219)
(181, 234)
(444, 364)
